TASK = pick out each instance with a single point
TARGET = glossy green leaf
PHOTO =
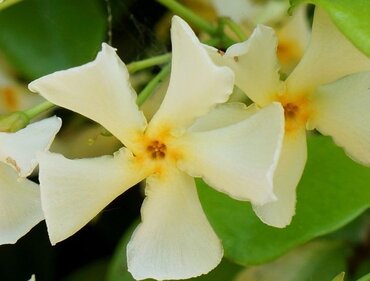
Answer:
(350, 16)
(93, 272)
(117, 270)
(7, 3)
(363, 268)
(41, 36)
(319, 261)
(333, 191)
(365, 278)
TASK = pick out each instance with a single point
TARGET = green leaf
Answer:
(333, 191)
(117, 269)
(363, 268)
(365, 278)
(351, 17)
(41, 36)
(319, 261)
(92, 272)
(7, 3)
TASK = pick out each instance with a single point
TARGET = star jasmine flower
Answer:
(293, 32)
(174, 239)
(19, 197)
(14, 96)
(327, 91)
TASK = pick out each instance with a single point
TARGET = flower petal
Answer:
(175, 239)
(293, 36)
(255, 65)
(288, 173)
(252, 12)
(196, 83)
(342, 111)
(19, 149)
(240, 159)
(15, 96)
(20, 205)
(223, 115)
(328, 57)
(74, 191)
(100, 90)
(238, 10)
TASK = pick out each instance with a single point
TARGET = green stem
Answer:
(213, 41)
(38, 109)
(149, 88)
(234, 28)
(189, 15)
(139, 65)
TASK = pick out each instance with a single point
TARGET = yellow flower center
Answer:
(157, 151)
(288, 51)
(296, 112)
(9, 97)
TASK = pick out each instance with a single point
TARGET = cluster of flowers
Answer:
(254, 153)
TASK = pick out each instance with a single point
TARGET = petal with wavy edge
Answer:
(223, 115)
(20, 205)
(175, 239)
(328, 57)
(255, 65)
(342, 111)
(240, 159)
(75, 191)
(196, 83)
(288, 173)
(19, 149)
(100, 90)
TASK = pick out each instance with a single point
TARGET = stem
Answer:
(139, 65)
(149, 88)
(189, 15)
(213, 41)
(38, 109)
(234, 28)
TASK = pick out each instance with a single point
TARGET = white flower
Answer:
(174, 240)
(312, 97)
(293, 32)
(15, 96)
(20, 197)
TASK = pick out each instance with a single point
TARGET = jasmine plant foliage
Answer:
(201, 140)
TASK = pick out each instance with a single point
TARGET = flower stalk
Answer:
(146, 63)
(38, 109)
(189, 15)
(149, 88)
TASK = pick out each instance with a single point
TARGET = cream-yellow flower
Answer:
(174, 240)
(328, 91)
(20, 202)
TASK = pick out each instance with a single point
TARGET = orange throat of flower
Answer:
(297, 112)
(157, 152)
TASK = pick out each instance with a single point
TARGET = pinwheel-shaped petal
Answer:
(326, 91)
(174, 240)
(20, 202)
